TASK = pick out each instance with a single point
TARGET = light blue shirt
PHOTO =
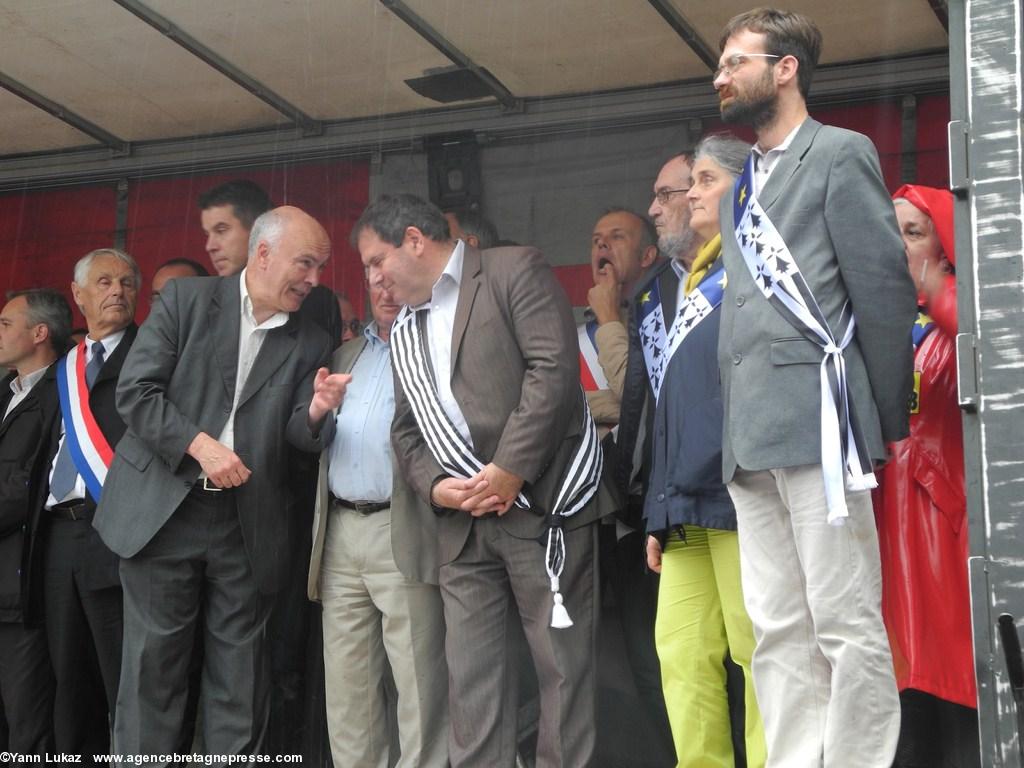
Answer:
(360, 454)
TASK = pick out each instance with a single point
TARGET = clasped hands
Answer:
(492, 489)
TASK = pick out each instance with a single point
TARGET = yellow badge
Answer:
(915, 396)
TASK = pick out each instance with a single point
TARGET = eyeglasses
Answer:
(737, 60)
(664, 195)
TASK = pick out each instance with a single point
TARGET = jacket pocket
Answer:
(134, 452)
(795, 351)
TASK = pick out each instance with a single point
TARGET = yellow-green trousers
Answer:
(701, 618)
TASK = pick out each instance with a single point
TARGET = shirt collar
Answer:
(680, 269)
(783, 145)
(454, 266)
(24, 383)
(452, 274)
(372, 336)
(109, 343)
(276, 320)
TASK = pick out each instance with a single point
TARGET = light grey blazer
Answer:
(827, 199)
(413, 523)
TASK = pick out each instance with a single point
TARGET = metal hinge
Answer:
(967, 372)
(959, 172)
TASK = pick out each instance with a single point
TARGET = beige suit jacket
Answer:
(413, 524)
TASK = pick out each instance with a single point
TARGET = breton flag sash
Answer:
(90, 450)
(411, 363)
(778, 277)
(653, 334)
(591, 375)
(698, 304)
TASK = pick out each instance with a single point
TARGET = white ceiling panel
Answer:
(867, 29)
(117, 72)
(28, 129)
(543, 48)
(335, 59)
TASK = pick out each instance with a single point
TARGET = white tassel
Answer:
(559, 615)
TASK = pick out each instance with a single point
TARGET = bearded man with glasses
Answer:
(816, 361)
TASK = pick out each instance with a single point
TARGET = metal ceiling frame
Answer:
(309, 125)
(62, 113)
(682, 27)
(424, 29)
(673, 102)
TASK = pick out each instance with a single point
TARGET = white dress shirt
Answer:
(682, 273)
(250, 340)
(21, 386)
(440, 322)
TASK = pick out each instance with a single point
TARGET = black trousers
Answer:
(84, 628)
(197, 561)
(26, 689)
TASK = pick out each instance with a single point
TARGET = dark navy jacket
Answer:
(685, 482)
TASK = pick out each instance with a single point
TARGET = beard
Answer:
(757, 109)
(676, 246)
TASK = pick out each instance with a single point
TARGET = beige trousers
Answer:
(372, 616)
(822, 666)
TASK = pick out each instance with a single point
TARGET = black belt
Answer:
(362, 507)
(72, 510)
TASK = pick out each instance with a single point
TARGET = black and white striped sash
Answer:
(450, 449)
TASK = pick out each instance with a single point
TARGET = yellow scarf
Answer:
(706, 256)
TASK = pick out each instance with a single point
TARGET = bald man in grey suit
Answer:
(195, 500)
(502, 349)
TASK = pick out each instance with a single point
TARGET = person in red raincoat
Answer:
(921, 512)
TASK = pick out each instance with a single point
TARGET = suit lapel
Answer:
(789, 163)
(225, 309)
(468, 287)
(277, 346)
(112, 365)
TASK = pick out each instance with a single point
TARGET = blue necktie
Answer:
(65, 473)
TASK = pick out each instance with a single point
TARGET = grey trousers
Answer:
(197, 559)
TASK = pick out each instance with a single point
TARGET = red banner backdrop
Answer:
(43, 234)
(163, 215)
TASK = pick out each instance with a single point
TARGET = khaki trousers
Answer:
(822, 666)
(372, 616)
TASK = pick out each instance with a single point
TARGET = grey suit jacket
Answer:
(179, 380)
(827, 200)
(515, 374)
(413, 524)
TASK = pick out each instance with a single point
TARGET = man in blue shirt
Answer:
(374, 564)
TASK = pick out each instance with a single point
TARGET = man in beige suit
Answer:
(374, 564)
(499, 370)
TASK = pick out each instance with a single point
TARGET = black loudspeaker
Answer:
(453, 170)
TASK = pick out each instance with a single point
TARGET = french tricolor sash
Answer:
(778, 277)
(698, 304)
(411, 363)
(591, 375)
(90, 450)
